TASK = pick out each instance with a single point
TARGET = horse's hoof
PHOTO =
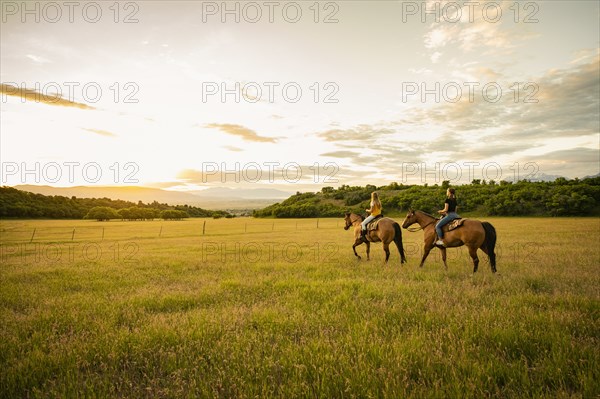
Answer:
(358, 258)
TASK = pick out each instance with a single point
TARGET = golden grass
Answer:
(281, 308)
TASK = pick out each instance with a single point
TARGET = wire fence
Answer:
(63, 231)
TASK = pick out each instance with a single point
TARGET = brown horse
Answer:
(473, 233)
(387, 231)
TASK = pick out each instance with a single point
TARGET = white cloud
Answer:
(38, 59)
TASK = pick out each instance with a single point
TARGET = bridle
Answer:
(356, 219)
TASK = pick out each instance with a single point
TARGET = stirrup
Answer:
(363, 235)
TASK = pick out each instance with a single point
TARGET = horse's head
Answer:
(410, 219)
(348, 221)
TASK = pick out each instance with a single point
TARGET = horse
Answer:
(387, 231)
(473, 233)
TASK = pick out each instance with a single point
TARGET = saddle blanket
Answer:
(373, 224)
(455, 224)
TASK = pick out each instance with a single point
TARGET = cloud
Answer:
(354, 157)
(340, 154)
(232, 148)
(38, 59)
(101, 132)
(572, 162)
(362, 133)
(32, 95)
(255, 173)
(584, 55)
(572, 155)
(495, 148)
(562, 103)
(438, 37)
(568, 106)
(241, 131)
(473, 29)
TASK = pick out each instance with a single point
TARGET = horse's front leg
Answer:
(368, 250)
(357, 243)
(426, 250)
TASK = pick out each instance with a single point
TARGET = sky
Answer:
(297, 95)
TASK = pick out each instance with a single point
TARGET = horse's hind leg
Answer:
(398, 242)
(386, 248)
(484, 249)
(473, 253)
(368, 250)
(444, 257)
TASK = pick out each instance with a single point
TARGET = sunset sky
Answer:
(369, 57)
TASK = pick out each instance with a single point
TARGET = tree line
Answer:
(101, 213)
(16, 203)
(561, 197)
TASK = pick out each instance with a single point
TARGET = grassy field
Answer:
(263, 308)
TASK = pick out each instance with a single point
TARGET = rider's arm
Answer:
(445, 210)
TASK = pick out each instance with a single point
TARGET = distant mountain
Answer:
(538, 177)
(212, 198)
(126, 193)
(593, 176)
(245, 193)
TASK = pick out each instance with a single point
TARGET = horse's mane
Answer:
(428, 214)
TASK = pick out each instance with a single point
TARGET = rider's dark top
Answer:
(451, 204)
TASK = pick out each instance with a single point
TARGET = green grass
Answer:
(168, 316)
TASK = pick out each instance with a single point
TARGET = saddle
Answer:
(373, 224)
(455, 224)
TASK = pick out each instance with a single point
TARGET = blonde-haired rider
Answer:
(374, 211)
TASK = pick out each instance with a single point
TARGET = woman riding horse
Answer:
(473, 233)
(449, 213)
(387, 231)
(374, 211)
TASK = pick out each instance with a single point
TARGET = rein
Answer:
(358, 219)
(421, 228)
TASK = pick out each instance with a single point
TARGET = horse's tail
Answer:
(490, 243)
(398, 241)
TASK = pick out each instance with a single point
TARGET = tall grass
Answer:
(237, 313)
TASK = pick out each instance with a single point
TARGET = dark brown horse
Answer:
(473, 233)
(387, 231)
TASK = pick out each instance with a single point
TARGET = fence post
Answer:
(273, 227)
(203, 227)
(102, 234)
(73, 235)
(32, 235)
(317, 223)
(245, 227)
(160, 232)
